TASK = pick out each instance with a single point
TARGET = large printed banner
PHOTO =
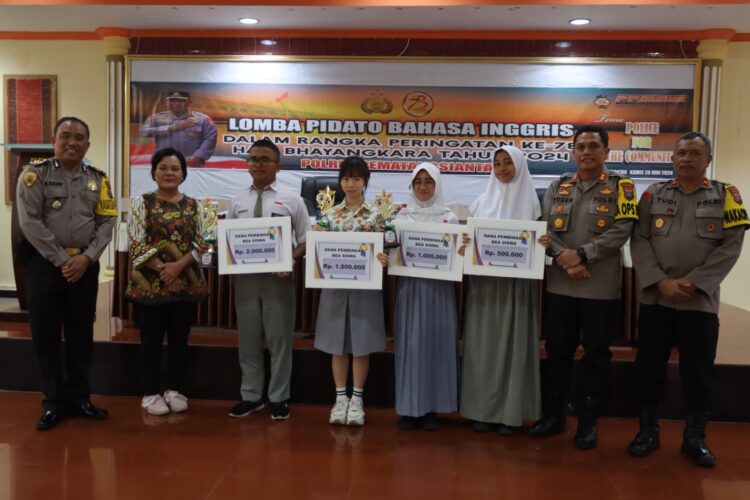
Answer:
(398, 114)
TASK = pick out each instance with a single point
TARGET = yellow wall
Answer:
(82, 91)
(81, 72)
(733, 156)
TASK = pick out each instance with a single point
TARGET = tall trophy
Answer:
(210, 219)
(325, 201)
(384, 204)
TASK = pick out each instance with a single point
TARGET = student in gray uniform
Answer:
(680, 289)
(590, 214)
(265, 302)
(66, 212)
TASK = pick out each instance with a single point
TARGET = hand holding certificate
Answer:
(260, 245)
(428, 250)
(507, 248)
(343, 260)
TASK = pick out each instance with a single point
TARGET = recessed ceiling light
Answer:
(579, 22)
(563, 45)
(249, 20)
(268, 42)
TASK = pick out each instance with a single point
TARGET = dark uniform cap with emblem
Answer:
(178, 94)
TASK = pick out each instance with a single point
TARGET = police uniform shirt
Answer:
(198, 140)
(598, 216)
(58, 210)
(697, 236)
(273, 203)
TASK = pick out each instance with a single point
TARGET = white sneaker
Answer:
(338, 412)
(176, 401)
(355, 415)
(154, 405)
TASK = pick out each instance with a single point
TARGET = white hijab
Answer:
(516, 199)
(432, 210)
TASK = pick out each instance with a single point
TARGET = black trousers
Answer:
(155, 320)
(54, 306)
(567, 323)
(695, 334)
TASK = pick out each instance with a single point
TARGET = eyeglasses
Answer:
(262, 160)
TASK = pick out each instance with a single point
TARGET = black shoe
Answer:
(698, 452)
(548, 426)
(586, 435)
(408, 423)
(431, 422)
(644, 443)
(49, 419)
(510, 430)
(280, 411)
(481, 427)
(245, 408)
(91, 412)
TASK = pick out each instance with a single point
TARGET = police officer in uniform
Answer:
(66, 213)
(688, 237)
(190, 132)
(590, 215)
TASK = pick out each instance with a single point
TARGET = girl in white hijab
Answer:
(500, 367)
(425, 321)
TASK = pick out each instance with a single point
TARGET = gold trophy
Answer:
(210, 219)
(384, 203)
(325, 201)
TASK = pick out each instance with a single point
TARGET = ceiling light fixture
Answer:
(249, 20)
(268, 42)
(579, 22)
(563, 45)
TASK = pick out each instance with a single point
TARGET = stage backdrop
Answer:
(396, 114)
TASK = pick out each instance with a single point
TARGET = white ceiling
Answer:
(527, 17)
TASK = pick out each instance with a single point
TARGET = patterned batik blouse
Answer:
(168, 230)
(365, 218)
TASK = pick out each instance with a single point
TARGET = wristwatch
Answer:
(582, 254)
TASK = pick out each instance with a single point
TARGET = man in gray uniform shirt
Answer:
(66, 213)
(688, 237)
(590, 215)
(190, 132)
(265, 302)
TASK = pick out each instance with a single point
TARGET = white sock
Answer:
(357, 395)
(341, 394)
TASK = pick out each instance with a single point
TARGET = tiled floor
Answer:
(206, 455)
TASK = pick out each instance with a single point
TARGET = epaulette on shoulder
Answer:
(98, 171)
(38, 163)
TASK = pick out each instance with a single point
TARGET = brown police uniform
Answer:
(594, 217)
(63, 215)
(697, 236)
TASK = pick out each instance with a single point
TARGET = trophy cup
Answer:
(210, 218)
(325, 200)
(384, 204)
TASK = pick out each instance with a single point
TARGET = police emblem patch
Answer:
(659, 223)
(563, 192)
(601, 223)
(602, 209)
(606, 191)
(56, 204)
(29, 178)
(628, 190)
(91, 185)
(559, 208)
(735, 194)
(710, 228)
(559, 223)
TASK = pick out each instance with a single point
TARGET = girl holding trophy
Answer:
(351, 321)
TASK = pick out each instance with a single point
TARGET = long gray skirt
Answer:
(350, 322)
(426, 345)
(500, 367)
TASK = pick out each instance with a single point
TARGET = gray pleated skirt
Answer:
(350, 322)
(426, 347)
(500, 366)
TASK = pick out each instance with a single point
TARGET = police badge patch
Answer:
(29, 178)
